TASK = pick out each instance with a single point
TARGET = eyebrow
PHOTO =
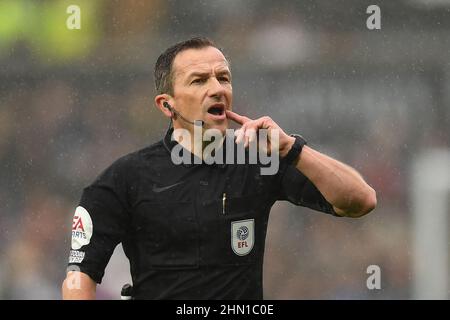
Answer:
(204, 74)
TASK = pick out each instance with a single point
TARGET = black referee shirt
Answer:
(190, 231)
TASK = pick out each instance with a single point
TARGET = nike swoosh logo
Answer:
(161, 189)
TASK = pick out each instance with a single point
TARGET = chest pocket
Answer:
(167, 234)
(233, 235)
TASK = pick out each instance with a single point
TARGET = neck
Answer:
(192, 140)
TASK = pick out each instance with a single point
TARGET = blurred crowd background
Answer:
(72, 101)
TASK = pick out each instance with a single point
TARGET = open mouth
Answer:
(217, 109)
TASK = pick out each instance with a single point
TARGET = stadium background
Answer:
(72, 101)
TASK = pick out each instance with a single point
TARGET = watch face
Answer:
(299, 138)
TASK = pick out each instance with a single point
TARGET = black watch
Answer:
(296, 148)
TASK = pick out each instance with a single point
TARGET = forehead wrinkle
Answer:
(204, 67)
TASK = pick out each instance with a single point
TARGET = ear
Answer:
(159, 100)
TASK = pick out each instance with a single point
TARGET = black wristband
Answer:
(296, 148)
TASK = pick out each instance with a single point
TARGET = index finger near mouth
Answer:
(237, 117)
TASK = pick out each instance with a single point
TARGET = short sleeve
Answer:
(100, 222)
(299, 190)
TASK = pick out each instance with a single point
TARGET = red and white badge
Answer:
(82, 228)
(242, 236)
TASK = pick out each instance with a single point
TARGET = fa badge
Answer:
(242, 236)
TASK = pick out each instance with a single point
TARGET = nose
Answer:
(216, 89)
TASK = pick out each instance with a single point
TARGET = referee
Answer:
(195, 230)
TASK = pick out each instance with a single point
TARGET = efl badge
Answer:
(242, 236)
(81, 228)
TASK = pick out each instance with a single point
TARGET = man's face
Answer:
(202, 88)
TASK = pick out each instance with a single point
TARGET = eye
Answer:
(224, 79)
(198, 81)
